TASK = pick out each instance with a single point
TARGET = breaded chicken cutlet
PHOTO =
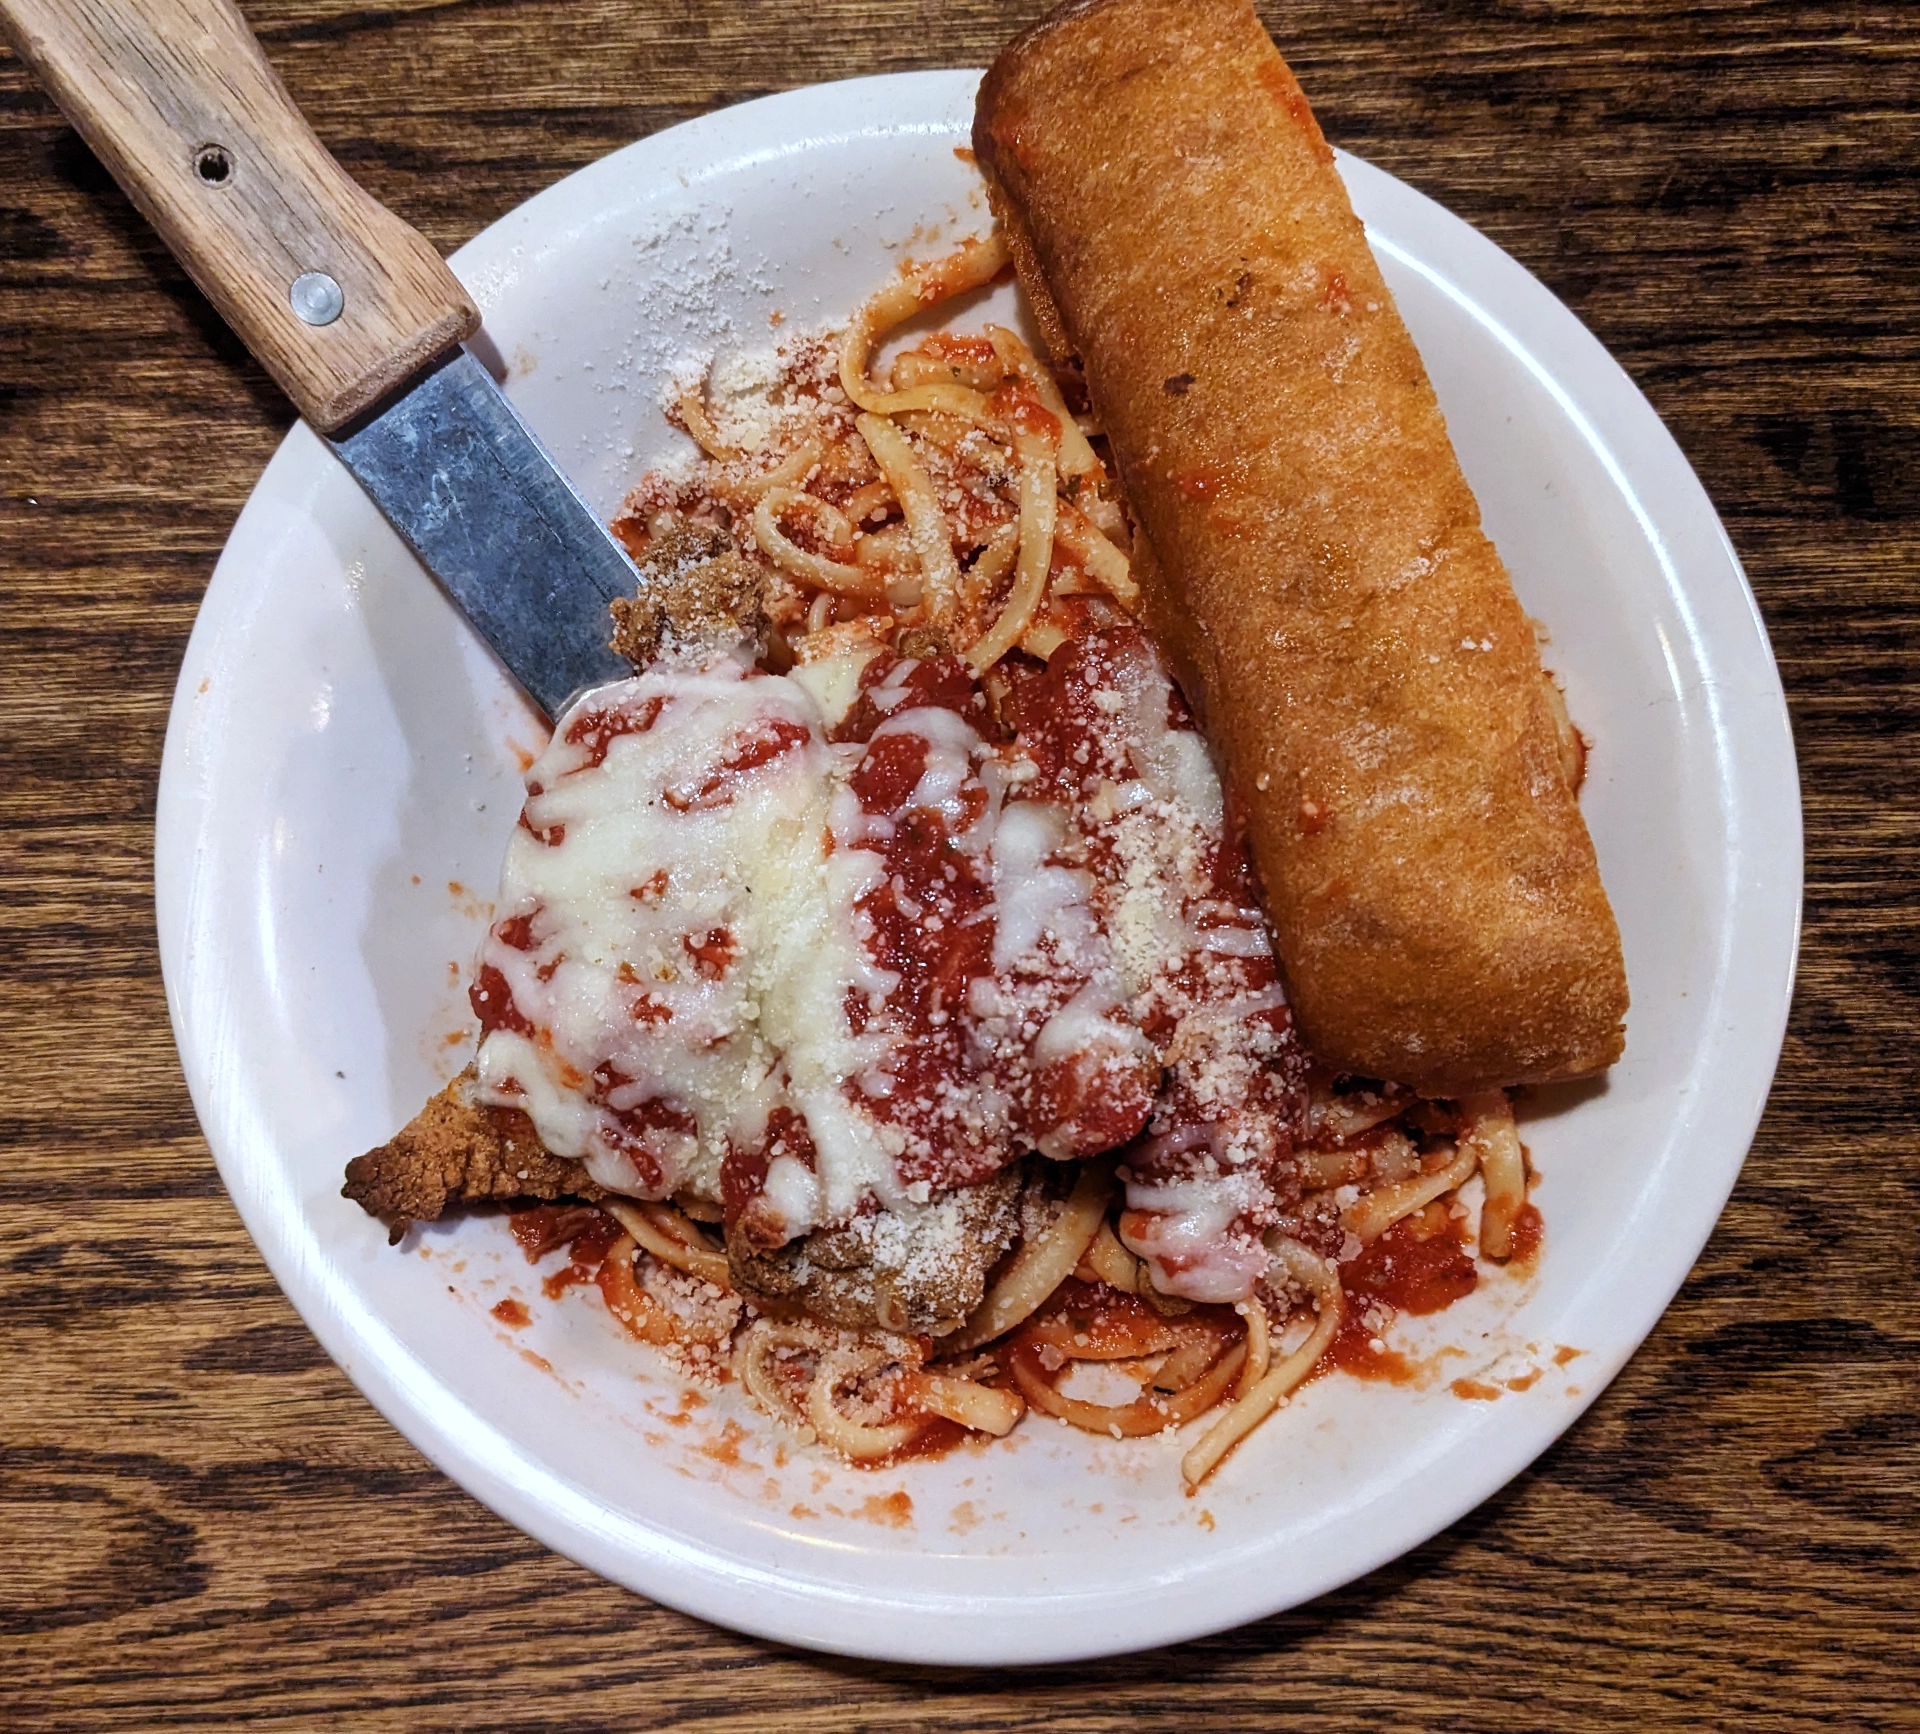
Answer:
(921, 1268)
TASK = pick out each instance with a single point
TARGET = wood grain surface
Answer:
(203, 1524)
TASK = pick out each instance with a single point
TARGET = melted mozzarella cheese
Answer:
(1035, 898)
(687, 943)
(1189, 954)
(1185, 1230)
(808, 956)
(693, 940)
(952, 747)
(833, 682)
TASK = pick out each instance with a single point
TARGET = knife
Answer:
(352, 311)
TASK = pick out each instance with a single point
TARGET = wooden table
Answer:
(203, 1523)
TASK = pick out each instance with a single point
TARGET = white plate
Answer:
(341, 767)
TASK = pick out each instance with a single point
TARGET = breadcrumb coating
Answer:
(458, 1151)
(920, 1269)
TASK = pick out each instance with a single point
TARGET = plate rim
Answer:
(1031, 1627)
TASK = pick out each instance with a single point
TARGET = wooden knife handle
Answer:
(176, 98)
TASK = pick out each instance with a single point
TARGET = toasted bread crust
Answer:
(1314, 563)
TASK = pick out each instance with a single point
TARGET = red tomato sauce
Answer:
(586, 1233)
(931, 922)
(492, 1002)
(1528, 1230)
(1402, 1273)
(597, 730)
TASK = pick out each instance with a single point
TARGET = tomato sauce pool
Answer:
(1420, 1265)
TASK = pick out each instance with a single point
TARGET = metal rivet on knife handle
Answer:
(316, 298)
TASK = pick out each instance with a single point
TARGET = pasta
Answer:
(1023, 565)
(948, 510)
